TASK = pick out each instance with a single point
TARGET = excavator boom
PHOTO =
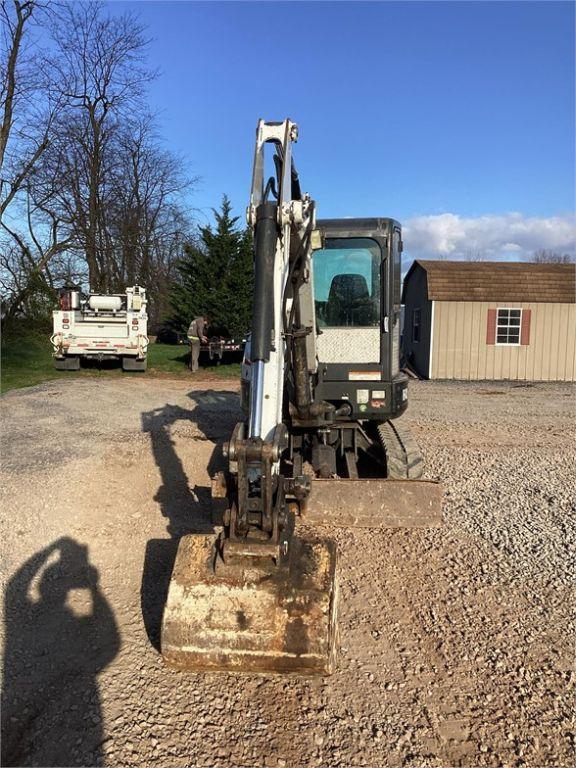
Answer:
(257, 599)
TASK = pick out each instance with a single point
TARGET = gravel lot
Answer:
(457, 643)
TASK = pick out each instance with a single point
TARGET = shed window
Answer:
(416, 323)
(508, 324)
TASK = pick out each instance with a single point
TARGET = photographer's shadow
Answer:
(60, 633)
(187, 508)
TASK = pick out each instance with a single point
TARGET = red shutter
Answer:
(525, 328)
(491, 327)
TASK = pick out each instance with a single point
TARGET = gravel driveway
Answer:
(457, 643)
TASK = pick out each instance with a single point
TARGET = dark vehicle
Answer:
(170, 336)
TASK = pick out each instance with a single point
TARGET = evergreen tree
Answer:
(216, 276)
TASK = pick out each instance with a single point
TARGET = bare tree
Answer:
(474, 254)
(148, 213)
(13, 34)
(32, 264)
(101, 74)
(28, 107)
(93, 184)
(544, 256)
(28, 101)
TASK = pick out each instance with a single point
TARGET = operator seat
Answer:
(349, 302)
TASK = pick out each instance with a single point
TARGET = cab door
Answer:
(348, 303)
(391, 293)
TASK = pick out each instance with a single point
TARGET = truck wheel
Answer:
(71, 363)
(131, 364)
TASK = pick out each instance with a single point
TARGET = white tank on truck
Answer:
(110, 303)
(101, 326)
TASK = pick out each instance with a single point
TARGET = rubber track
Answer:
(403, 457)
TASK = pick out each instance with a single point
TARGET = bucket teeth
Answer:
(252, 619)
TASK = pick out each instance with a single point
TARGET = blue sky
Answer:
(449, 116)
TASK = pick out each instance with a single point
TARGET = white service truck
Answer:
(101, 326)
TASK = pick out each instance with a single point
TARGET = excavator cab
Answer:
(357, 302)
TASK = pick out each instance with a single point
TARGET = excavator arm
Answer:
(282, 229)
(282, 353)
(258, 598)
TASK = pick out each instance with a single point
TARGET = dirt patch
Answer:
(457, 643)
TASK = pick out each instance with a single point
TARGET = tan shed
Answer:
(490, 320)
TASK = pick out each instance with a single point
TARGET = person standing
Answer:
(196, 334)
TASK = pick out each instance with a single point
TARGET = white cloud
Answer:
(494, 236)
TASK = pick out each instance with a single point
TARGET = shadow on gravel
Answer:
(187, 509)
(60, 633)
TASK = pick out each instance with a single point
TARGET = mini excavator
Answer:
(320, 445)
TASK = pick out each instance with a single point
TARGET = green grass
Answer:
(27, 361)
(173, 359)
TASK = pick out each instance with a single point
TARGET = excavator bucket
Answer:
(252, 619)
(258, 619)
(374, 503)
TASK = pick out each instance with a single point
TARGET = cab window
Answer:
(347, 283)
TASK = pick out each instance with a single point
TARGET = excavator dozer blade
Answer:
(374, 503)
(251, 619)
